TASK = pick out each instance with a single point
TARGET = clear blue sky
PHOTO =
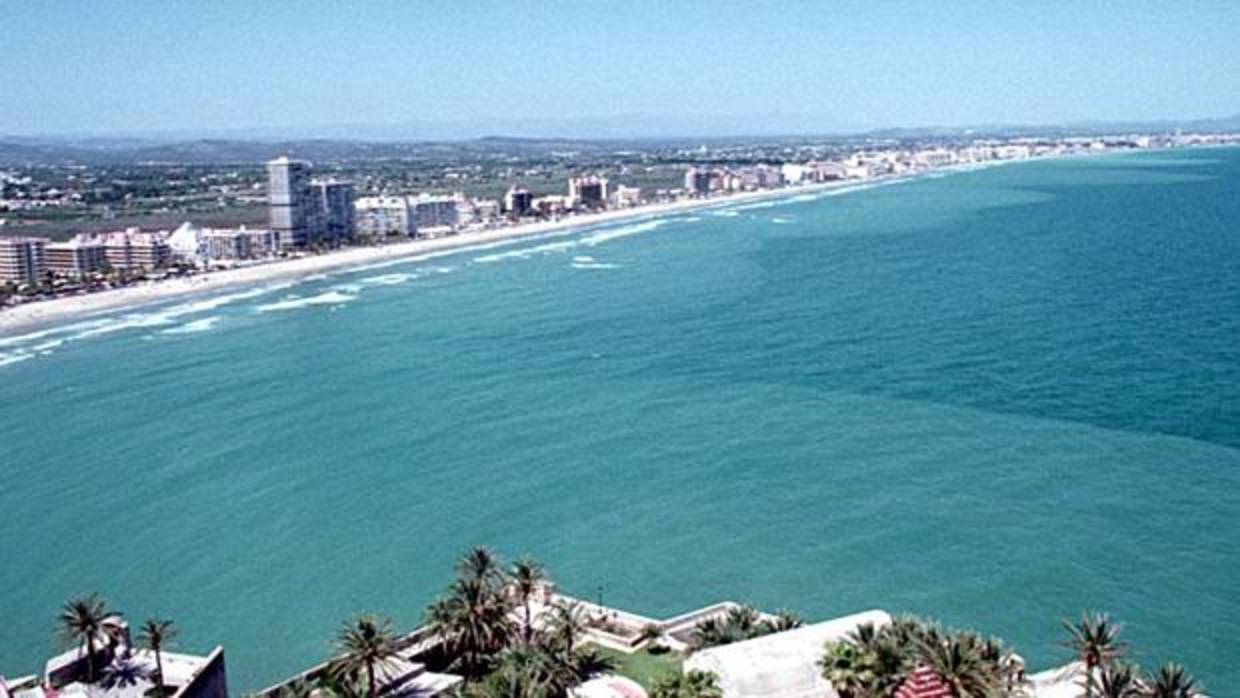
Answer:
(86, 66)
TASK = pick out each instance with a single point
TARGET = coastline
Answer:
(43, 314)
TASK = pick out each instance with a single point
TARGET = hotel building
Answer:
(23, 260)
(291, 201)
(76, 257)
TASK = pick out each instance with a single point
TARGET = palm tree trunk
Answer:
(529, 628)
(90, 659)
(370, 679)
(159, 673)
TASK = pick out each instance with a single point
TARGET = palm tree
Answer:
(526, 671)
(155, 635)
(1172, 681)
(709, 633)
(122, 673)
(1095, 641)
(82, 622)
(527, 577)
(1118, 680)
(784, 620)
(472, 621)
(566, 625)
(366, 644)
(691, 684)
(959, 662)
(849, 668)
(482, 565)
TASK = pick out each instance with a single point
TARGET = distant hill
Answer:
(356, 143)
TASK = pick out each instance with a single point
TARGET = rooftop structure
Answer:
(124, 671)
(782, 664)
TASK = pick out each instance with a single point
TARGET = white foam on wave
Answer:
(527, 252)
(725, 213)
(595, 265)
(7, 359)
(781, 219)
(297, 302)
(195, 326)
(387, 279)
(623, 232)
(758, 205)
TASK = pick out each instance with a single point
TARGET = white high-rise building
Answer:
(23, 260)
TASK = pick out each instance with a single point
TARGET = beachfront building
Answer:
(184, 675)
(625, 197)
(433, 215)
(76, 258)
(23, 260)
(518, 202)
(486, 211)
(334, 212)
(291, 203)
(381, 216)
(552, 205)
(780, 664)
(131, 249)
(698, 181)
(238, 244)
(589, 193)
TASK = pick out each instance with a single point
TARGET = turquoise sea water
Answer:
(996, 398)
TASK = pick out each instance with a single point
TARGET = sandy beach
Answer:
(51, 312)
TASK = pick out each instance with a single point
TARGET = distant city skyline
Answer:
(229, 66)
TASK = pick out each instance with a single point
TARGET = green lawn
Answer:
(642, 666)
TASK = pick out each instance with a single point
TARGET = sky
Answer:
(79, 66)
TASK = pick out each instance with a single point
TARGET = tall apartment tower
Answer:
(293, 208)
(334, 204)
(23, 260)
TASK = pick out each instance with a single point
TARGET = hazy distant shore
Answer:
(40, 314)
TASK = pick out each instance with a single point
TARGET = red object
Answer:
(924, 683)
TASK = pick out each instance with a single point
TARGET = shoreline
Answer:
(39, 315)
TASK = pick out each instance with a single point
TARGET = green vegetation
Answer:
(738, 624)
(874, 663)
(83, 621)
(693, 684)
(642, 666)
(155, 635)
(367, 645)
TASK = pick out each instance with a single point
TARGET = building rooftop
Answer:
(783, 664)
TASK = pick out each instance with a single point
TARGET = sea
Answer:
(997, 398)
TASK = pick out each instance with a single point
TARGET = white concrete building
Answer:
(780, 665)
(380, 216)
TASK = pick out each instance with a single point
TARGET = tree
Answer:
(849, 668)
(366, 644)
(525, 671)
(83, 622)
(527, 577)
(155, 635)
(958, 661)
(1095, 641)
(784, 620)
(1172, 681)
(566, 625)
(1118, 680)
(473, 619)
(481, 565)
(691, 684)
